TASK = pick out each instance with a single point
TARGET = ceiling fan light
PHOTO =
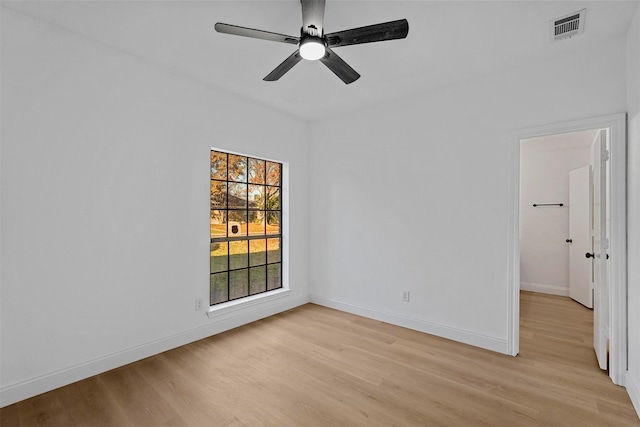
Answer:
(312, 49)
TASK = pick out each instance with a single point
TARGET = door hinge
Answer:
(605, 155)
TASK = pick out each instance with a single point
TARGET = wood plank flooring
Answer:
(313, 366)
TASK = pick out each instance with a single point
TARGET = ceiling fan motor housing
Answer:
(312, 47)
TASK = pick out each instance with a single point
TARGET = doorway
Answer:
(612, 313)
(555, 214)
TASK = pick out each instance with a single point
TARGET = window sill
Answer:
(244, 303)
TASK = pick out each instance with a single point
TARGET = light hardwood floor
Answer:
(313, 366)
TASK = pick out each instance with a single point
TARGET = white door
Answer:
(600, 155)
(580, 267)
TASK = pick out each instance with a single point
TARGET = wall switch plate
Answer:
(406, 296)
(199, 304)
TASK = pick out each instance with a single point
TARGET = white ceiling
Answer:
(448, 42)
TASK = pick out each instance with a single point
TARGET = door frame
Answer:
(617, 126)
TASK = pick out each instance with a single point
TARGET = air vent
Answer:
(567, 26)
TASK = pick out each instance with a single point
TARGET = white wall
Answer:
(633, 210)
(413, 195)
(105, 215)
(545, 164)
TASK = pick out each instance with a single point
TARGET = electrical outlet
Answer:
(406, 296)
(199, 304)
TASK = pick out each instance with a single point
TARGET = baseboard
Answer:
(633, 388)
(544, 289)
(466, 337)
(19, 391)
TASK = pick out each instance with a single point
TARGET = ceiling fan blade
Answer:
(286, 65)
(312, 17)
(372, 33)
(256, 34)
(339, 67)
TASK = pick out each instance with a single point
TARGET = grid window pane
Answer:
(237, 168)
(238, 284)
(257, 280)
(219, 260)
(257, 222)
(238, 254)
(273, 173)
(273, 251)
(218, 194)
(218, 286)
(237, 195)
(257, 252)
(256, 171)
(272, 198)
(273, 222)
(237, 223)
(218, 223)
(256, 196)
(274, 281)
(218, 165)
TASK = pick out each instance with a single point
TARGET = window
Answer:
(246, 234)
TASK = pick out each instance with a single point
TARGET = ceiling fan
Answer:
(313, 44)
